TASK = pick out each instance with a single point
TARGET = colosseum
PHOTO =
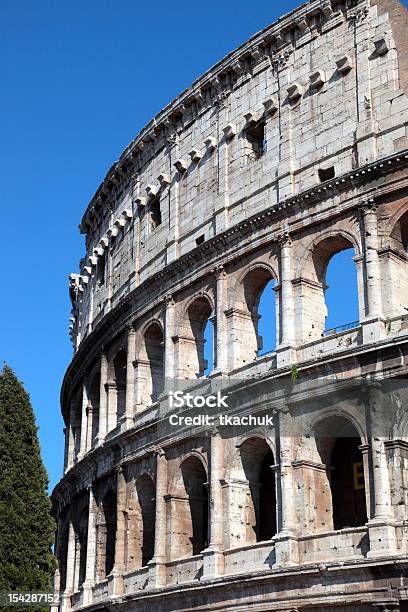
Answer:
(292, 148)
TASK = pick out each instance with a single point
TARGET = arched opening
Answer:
(253, 323)
(117, 388)
(106, 536)
(328, 289)
(151, 365)
(191, 353)
(189, 510)
(209, 348)
(395, 300)
(94, 398)
(62, 548)
(81, 547)
(140, 522)
(146, 495)
(267, 319)
(258, 490)
(342, 306)
(338, 444)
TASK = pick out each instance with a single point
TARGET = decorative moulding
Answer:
(295, 91)
(302, 24)
(127, 213)
(99, 251)
(93, 260)
(326, 9)
(251, 117)
(270, 105)
(344, 64)
(195, 155)
(181, 165)
(104, 242)
(230, 130)
(120, 222)
(210, 143)
(238, 67)
(112, 232)
(317, 78)
(164, 179)
(140, 201)
(381, 47)
(151, 190)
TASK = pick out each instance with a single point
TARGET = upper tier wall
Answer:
(320, 90)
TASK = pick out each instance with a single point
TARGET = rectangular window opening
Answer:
(155, 213)
(200, 239)
(100, 270)
(326, 174)
(256, 143)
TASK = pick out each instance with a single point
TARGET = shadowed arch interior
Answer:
(338, 442)
(257, 461)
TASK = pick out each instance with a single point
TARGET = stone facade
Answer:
(293, 148)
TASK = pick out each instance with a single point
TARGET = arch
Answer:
(150, 364)
(338, 446)
(398, 225)
(81, 546)
(117, 387)
(146, 494)
(189, 509)
(245, 314)
(94, 399)
(257, 489)
(311, 284)
(140, 521)
(105, 535)
(191, 341)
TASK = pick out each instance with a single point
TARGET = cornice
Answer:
(349, 182)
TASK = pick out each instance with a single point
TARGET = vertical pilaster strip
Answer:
(90, 548)
(216, 495)
(70, 569)
(381, 526)
(372, 280)
(120, 561)
(169, 363)
(157, 567)
(287, 305)
(103, 399)
(221, 321)
(84, 416)
(130, 375)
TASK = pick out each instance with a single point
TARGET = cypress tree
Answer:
(26, 527)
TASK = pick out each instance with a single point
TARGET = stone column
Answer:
(84, 417)
(70, 570)
(286, 545)
(130, 376)
(213, 556)
(70, 435)
(90, 549)
(157, 567)
(221, 344)
(116, 585)
(89, 424)
(381, 525)
(169, 362)
(286, 354)
(373, 326)
(112, 405)
(103, 399)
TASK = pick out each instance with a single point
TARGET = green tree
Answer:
(26, 527)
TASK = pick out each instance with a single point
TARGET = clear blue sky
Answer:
(79, 80)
